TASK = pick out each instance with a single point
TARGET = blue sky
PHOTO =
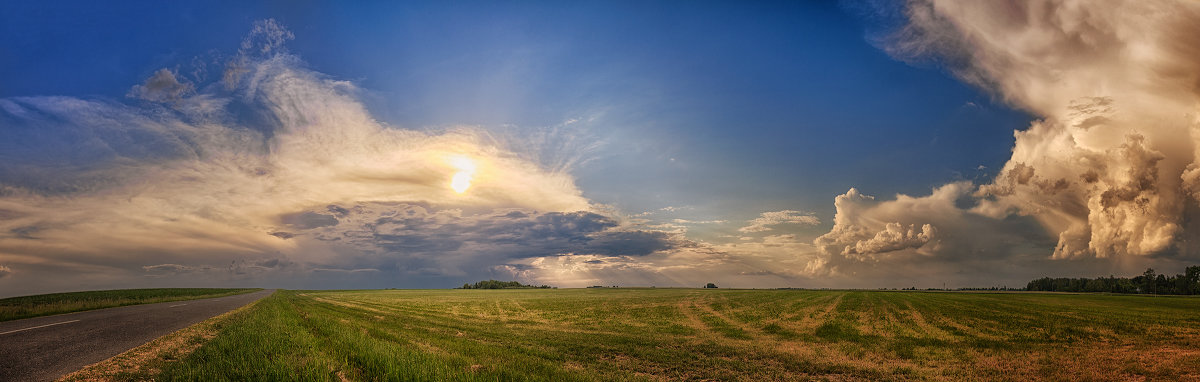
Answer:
(656, 115)
(750, 101)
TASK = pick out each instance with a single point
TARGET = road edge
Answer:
(146, 361)
(201, 297)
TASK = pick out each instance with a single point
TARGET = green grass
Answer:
(46, 304)
(693, 334)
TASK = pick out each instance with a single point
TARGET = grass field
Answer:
(694, 334)
(56, 303)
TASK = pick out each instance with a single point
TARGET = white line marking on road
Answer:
(172, 306)
(35, 327)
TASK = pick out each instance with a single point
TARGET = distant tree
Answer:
(494, 284)
(711, 285)
(1191, 276)
(1179, 284)
(1149, 282)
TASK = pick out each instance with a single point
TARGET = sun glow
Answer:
(461, 180)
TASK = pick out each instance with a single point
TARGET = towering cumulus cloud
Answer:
(274, 171)
(1109, 170)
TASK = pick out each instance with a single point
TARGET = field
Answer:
(57, 303)
(696, 334)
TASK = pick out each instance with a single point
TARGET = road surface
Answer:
(46, 348)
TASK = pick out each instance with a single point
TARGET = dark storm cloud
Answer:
(25, 232)
(417, 242)
(170, 269)
(632, 243)
(411, 229)
(283, 235)
(309, 220)
(335, 270)
(337, 211)
(233, 270)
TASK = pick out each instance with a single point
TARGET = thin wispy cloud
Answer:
(158, 187)
(767, 220)
(249, 164)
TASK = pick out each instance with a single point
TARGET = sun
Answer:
(461, 180)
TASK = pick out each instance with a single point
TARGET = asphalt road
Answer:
(46, 348)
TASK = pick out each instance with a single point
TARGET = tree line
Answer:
(1148, 283)
(495, 284)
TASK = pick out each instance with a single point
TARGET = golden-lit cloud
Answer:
(201, 175)
(273, 172)
(767, 220)
(1108, 169)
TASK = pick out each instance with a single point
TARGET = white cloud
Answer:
(114, 188)
(864, 228)
(767, 219)
(770, 261)
(911, 240)
(894, 237)
(686, 221)
(1106, 172)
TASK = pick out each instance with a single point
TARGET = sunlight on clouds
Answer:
(1106, 170)
(211, 177)
(777, 261)
(465, 171)
(275, 170)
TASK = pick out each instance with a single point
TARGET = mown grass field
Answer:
(695, 334)
(56, 303)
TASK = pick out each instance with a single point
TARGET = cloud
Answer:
(172, 269)
(383, 241)
(266, 38)
(686, 221)
(864, 228)
(308, 220)
(5, 271)
(236, 271)
(163, 86)
(402, 231)
(360, 270)
(931, 236)
(282, 235)
(279, 174)
(767, 219)
(265, 167)
(25, 232)
(770, 261)
(1107, 171)
(893, 237)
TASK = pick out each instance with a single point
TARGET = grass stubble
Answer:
(693, 334)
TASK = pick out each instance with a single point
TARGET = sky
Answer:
(855, 144)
